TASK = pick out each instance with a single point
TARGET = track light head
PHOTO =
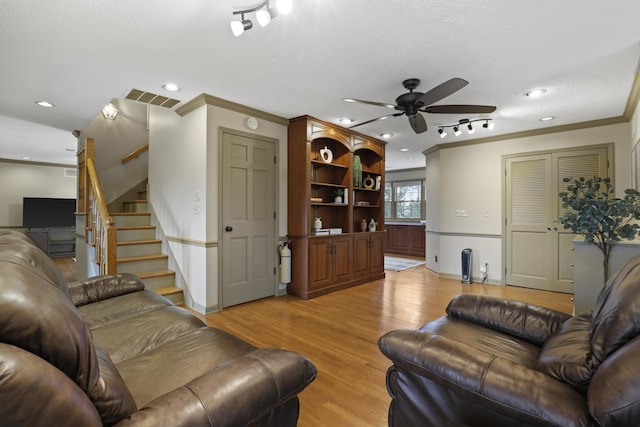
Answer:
(470, 129)
(264, 15)
(456, 131)
(442, 132)
(239, 27)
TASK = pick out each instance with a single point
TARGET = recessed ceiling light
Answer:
(171, 87)
(386, 135)
(410, 157)
(45, 104)
(346, 121)
(25, 158)
(546, 119)
(534, 93)
(404, 149)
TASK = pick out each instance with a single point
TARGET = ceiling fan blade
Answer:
(376, 119)
(459, 109)
(379, 104)
(443, 90)
(418, 123)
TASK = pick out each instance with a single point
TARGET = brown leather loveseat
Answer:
(495, 362)
(106, 351)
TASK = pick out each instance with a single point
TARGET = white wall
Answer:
(30, 180)
(471, 177)
(184, 158)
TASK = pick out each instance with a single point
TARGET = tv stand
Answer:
(56, 242)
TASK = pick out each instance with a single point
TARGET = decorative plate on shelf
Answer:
(368, 182)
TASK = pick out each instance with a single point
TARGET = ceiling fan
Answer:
(413, 103)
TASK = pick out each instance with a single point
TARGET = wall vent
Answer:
(151, 98)
(70, 173)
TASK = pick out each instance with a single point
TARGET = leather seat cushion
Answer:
(177, 362)
(487, 340)
(121, 308)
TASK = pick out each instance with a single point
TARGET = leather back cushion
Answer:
(566, 355)
(40, 319)
(17, 247)
(614, 393)
(616, 316)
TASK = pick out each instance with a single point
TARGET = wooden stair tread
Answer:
(158, 273)
(142, 258)
(135, 201)
(135, 227)
(130, 213)
(138, 242)
(168, 290)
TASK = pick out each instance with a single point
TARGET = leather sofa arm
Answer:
(235, 394)
(103, 287)
(498, 384)
(519, 319)
(35, 393)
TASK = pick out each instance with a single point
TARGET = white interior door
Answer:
(538, 251)
(248, 219)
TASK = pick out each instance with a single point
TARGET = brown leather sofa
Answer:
(495, 362)
(106, 351)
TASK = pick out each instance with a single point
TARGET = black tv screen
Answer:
(42, 212)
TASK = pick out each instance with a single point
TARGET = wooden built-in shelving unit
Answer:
(348, 256)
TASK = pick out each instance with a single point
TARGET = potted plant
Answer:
(595, 212)
(337, 195)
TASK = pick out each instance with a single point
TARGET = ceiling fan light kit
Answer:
(264, 15)
(412, 104)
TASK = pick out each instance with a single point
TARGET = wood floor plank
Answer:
(339, 333)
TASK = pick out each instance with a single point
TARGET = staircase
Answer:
(139, 252)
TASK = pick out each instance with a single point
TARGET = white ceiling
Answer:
(79, 54)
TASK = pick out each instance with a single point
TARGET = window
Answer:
(403, 200)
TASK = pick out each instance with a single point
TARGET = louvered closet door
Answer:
(538, 251)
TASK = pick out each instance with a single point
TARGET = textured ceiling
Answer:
(79, 54)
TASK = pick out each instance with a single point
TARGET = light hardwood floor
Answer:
(339, 333)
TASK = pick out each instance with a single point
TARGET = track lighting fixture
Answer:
(264, 15)
(488, 124)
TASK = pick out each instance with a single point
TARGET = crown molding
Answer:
(205, 99)
(530, 133)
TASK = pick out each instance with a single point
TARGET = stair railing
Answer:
(101, 230)
(134, 154)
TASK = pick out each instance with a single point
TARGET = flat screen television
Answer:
(43, 212)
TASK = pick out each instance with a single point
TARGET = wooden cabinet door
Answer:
(376, 253)
(342, 256)
(398, 238)
(417, 240)
(320, 262)
(361, 257)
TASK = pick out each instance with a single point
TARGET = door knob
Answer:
(228, 228)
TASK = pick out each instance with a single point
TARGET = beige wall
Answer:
(471, 177)
(184, 158)
(30, 180)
